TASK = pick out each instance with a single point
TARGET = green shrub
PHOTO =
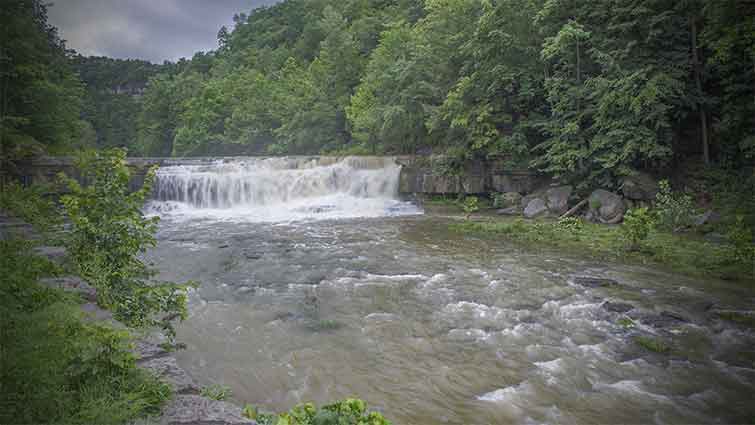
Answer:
(30, 205)
(741, 238)
(636, 227)
(675, 210)
(345, 412)
(108, 235)
(470, 205)
(55, 367)
(216, 392)
(571, 225)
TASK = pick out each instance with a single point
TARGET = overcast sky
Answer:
(154, 30)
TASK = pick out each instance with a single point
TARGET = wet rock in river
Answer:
(665, 319)
(617, 307)
(167, 369)
(594, 282)
(197, 410)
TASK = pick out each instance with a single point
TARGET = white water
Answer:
(280, 189)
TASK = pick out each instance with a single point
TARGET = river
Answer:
(317, 283)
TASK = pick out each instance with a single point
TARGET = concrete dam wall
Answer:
(419, 175)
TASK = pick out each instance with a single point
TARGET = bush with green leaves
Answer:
(470, 205)
(108, 235)
(30, 205)
(571, 225)
(346, 412)
(638, 223)
(741, 237)
(56, 367)
(675, 210)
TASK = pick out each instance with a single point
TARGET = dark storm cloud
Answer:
(146, 29)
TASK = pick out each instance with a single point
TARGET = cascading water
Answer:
(281, 189)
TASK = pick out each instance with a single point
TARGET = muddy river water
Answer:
(317, 284)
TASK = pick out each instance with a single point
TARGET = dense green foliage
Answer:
(57, 368)
(346, 412)
(30, 205)
(108, 235)
(581, 89)
(40, 95)
(112, 100)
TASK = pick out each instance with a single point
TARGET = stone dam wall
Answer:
(420, 175)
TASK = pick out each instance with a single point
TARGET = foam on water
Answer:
(280, 189)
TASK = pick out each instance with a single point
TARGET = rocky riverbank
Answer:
(187, 407)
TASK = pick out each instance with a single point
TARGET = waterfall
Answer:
(280, 189)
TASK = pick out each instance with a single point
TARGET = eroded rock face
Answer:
(55, 254)
(167, 369)
(197, 410)
(606, 207)
(557, 199)
(535, 207)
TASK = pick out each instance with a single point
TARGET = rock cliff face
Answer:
(426, 175)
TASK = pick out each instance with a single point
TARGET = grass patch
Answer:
(655, 345)
(216, 392)
(325, 325)
(56, 368)
(683, 253)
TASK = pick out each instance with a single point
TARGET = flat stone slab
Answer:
(594, 282)
(53, 253)
(197, 410)
(167, 369)
(145, 350)
(72, 284)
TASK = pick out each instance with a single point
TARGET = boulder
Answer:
(509, 199)
(557, 199)
(535, 208)
(606, 207)
(639, 187)
(198, 410)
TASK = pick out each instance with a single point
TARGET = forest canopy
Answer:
(588, 89)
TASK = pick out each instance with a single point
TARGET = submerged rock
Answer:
(594, 282)
(617, 307)
(197, 410)
(665, 319)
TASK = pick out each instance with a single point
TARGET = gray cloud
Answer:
(155, 30)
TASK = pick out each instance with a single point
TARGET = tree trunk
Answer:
(699, 87)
